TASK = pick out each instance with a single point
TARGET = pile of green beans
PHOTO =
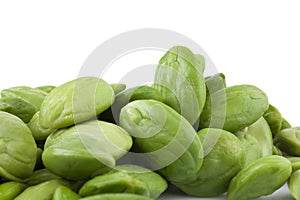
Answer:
(90, 140)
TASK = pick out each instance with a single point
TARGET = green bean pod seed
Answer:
(274, 119)
(9, 190)
(40, 176)
(294, 184)
(295, 162)
(17, 148)
(126, 96)
(156, 184)
(179, 78)
(42, 191)
(164, 138)
(132, 94)
(261, 177)
(263, 144)
(215, 83)
(200, 62)
(118, 182)
(75, 101)
(224, 158)
(234, 108)
(251, 147)
(85, 150)
(64, 193)
(288, 140)
(31, 95)
(260, 130)
(38, 132)
(19, 108)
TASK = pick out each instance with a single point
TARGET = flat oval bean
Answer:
(43, 190)
(165, 138)
(98, 143)
(33, 96)
(294, 184)
(234, 108)
(9, 190)
(288, 140)
(118, 182)
(295, 162)
(64, 193)
(274, 118)
(221, 148)
(17, 148)
(156, 184)
(75, 101)
(180, 80)
(261, 177)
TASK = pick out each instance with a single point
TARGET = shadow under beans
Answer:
(174, 193)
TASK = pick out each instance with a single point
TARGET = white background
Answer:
(254, 42)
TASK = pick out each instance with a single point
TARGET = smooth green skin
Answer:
(19, 108)
(180, 80)
(132, 94)
(120, 196)
(9, 190)
(38, 132)
(285, 124)
(257, 140)
(65, 193)
(100, 144)
(215, 83)
(126, 96)
(224, 158)
(294, 184)
(118, 87)
(251, 147)
(262, 177)
(144, 92)
(33, 96)
(166, 139)
(46, 88)
(274, 119)
(234, 108)
(260, 130)
(17, 148)
(118, 182)
(43, 175)
(75, 101)
(42, 191)
(295, 162)
(40, 176)
(200, 62)
(156, 184)
(288, 141)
